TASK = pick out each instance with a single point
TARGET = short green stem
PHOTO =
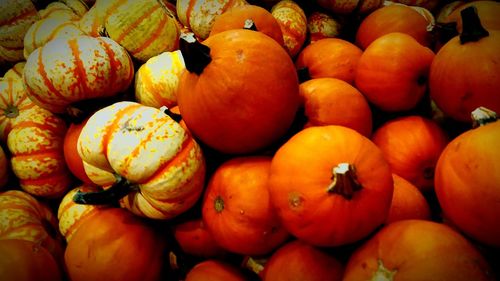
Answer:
(118, 190)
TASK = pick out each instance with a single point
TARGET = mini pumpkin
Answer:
(293, 22)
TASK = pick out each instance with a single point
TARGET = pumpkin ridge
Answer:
(29, 154)
(33, 37)
(152, 37)
(46, 80)
(112, 63)
(136, 23)
(189, 10)
(20, 17)
(77, 222)
(79, 72)
(45, 127)
(32, 224)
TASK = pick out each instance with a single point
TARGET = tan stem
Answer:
(344, 180)
(482, 116)
(382, 273)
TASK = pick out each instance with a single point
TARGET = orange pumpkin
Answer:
(330, 185)
(467, 182)
(237, 210)
(235, 19)
(26, 218)
(487, 11)
(329, 57)
(219, 103)
(194, 239)
(160, 171)
(298, 260)
(417, 250)
(36, 144)
(330, 101)
(214, 270)
(115, 245)
(407, 202)
(64, 71)
(71, 156)
(4, 172)
(293, 22)
(412, 145)
(465, 74)
(26, 261)
(392, 72)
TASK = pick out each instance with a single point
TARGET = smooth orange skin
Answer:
(235, 19)
(246, 98)
(392, 72)
(214, 270)
(330, 57)
(467, 183)
(73, 159)
(418, 250)
(330, 101)
(247, 224)
(195, 239)
(22, 260)
(407, 202)
(298, 261)
(412, 145)
(393, 18)
(301, 171)
(115, 244)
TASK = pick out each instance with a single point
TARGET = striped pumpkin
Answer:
(26, 218)
(36, 145)
(4, 165)
(200, 15)
(16, 71)
(65, 71)
(91, 23)
(79, 7)
(145, 28)
(14, 104)
(162, 165)
(16, 16)
(156, 80)
(58, 10)
(322, 25)
(293, 23)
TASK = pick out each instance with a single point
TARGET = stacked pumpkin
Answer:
(249, 140)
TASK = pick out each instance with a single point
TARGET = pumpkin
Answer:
(407, 202)
(214, 270)
(467, 181)
(79, 7)
(199, 15)
(430, 5)
(236, 17)
(194, 239)
(70, 150)
(4, 172)
(293, 22)
(464, 74)
(157, 80)
(145, 28)
(350, 6)
(417, 250)
(115, 245)
(330, 101)
(235, 115)
(16, 71)
(91, 23)
(26, 218)
(330, 185)
(322, 25)
(64, 71)
(395, 18)
(26, 261)
(36, 145)
(297, 260)
(71, 215)
(412, 145)
(486, 10)
(14, 104)
(393, 72)
(237, 210)
(58, 10)
(159, 173)
(16, 17)
(329, 57)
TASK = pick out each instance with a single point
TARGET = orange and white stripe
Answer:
(293, 22)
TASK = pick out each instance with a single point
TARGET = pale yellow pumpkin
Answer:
(91, 23)
(16, 71)
(293, 22)
(156, 81)
(149, 152)
(58, 10)
(79, 7)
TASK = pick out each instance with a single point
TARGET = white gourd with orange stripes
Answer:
(156, 80)
(293, 22)
(149, 149)
(145, 28)
(199, 15)
(36, 145)
(16, 71)
(65, 71)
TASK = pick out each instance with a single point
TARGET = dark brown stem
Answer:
(250, 25)
(445, 31)
(196, 55)
(472, 30)
(344, 180)
(175, 116)
(482, 116)
(303, 74)
(118, 190)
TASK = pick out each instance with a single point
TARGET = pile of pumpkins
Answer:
(249, 140)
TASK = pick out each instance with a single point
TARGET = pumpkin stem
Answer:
(303, 74)
(482, 116)
(344, 180)
(382, 273)
(250, 25)
(196, 55)
(254, 265)
(472, 30)
(175, 116)
(118, 190)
